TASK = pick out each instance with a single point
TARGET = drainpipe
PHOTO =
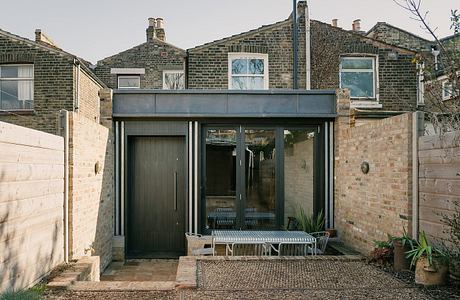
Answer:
(77, 88)
(294, 45)
(64, 117)
(307, 48)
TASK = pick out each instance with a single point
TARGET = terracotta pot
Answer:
(332, 232)
(400, 262)
(427, 275)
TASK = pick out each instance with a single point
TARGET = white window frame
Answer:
(452, 93)
(128, 76)
(245, 55)
(172, 72)
(375, 77)
(21, 79)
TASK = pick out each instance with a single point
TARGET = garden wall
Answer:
(439, 180)
(370, 206)
(31, 205)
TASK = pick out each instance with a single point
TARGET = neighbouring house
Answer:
(154, 64)
(250, 140)
(38, 79)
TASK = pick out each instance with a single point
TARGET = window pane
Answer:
(25, 72)
(240, 66)
(9, 72)
(256, 66)
(129, 82)
(174, 81)
(255, 83)
(360, 84)
(239, 83)
(348, 63)
(9, 95)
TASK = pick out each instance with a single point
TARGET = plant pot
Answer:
(400, 262)
(332, 232)
(427, 275)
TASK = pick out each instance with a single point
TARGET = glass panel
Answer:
(239, 83)
(9, 72)
(260, 206)
(174, 81)
(256, 66)
(356, 63)
(255, 83)
(240, 66)
(298, 172)
(129, 82)
(360, 84)
(221, 204)
(16, 94)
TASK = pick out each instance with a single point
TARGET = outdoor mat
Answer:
(291, 274)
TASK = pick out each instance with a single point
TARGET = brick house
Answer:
(154, 64)
(38, 79)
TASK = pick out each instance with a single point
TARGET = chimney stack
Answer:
(334, 22)
(160, 30)
(42, 38)
(151, 29)
(356, 26)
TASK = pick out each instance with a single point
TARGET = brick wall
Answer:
(89, 106)
(396, 36)
(91, 192)
(370, 206)
(439, 180)
(154, 56)
(53, 83)
(31, 205)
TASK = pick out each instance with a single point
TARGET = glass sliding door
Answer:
(299, 147)
(259, 179)
(220, 197)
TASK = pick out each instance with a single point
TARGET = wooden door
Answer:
(156, 197)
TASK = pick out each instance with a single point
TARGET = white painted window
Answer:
(129, 82)
(359, 75)
(247, 71)
(17, 87)
(448, 90)
(173, 80)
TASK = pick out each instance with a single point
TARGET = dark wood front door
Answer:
(156, 201)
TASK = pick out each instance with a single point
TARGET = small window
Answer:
(358, 75)
(129, 82)
(247, 71)
(16, 87)
(448, 91)
(174, 80)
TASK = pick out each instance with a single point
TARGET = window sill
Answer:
(365, 104)
(17, 112)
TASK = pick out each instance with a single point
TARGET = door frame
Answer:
(240, 126)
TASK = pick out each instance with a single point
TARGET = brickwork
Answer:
(154, 56)
(31, 205)
(89, 105)
(91, 189)
(54, 83)
(370, 206)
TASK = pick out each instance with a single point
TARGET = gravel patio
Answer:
(287, 278)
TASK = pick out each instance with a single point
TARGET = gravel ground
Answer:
(287, 279)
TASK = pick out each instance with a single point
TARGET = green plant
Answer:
(382, 253)
(309, 223)
(383, 244)
(405, 240)
(21, 295)
(423, 249)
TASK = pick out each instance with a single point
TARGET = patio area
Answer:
(141, 270)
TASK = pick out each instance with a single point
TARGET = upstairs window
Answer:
(358, 74)
(448, 91)
(129, 81)
(174, 80)
(247, 71)
(16, 87)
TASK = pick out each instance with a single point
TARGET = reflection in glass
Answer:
(360, 84)
(260, 206)
(298, 171)
(221, 179)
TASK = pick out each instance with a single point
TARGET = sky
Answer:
(94, 29)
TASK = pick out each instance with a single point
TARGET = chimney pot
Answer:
(152, 22)
(160, 30)
(41, 37)
(334, 22)
(159, 23)
(356, 25)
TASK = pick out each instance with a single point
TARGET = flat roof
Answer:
(143, 103)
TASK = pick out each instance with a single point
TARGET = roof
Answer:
(450, 37)
(85, 64)
(399, 29)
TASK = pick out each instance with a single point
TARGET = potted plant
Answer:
(430, 262)
(382, 253)
(401, 245)
(308, 223)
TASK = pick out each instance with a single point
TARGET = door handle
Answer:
(175, 191)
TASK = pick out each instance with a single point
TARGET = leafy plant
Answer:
(382, 253)
(405, 240)
(383, 244)
(309, 223)
(21, 295)
(423, 249)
